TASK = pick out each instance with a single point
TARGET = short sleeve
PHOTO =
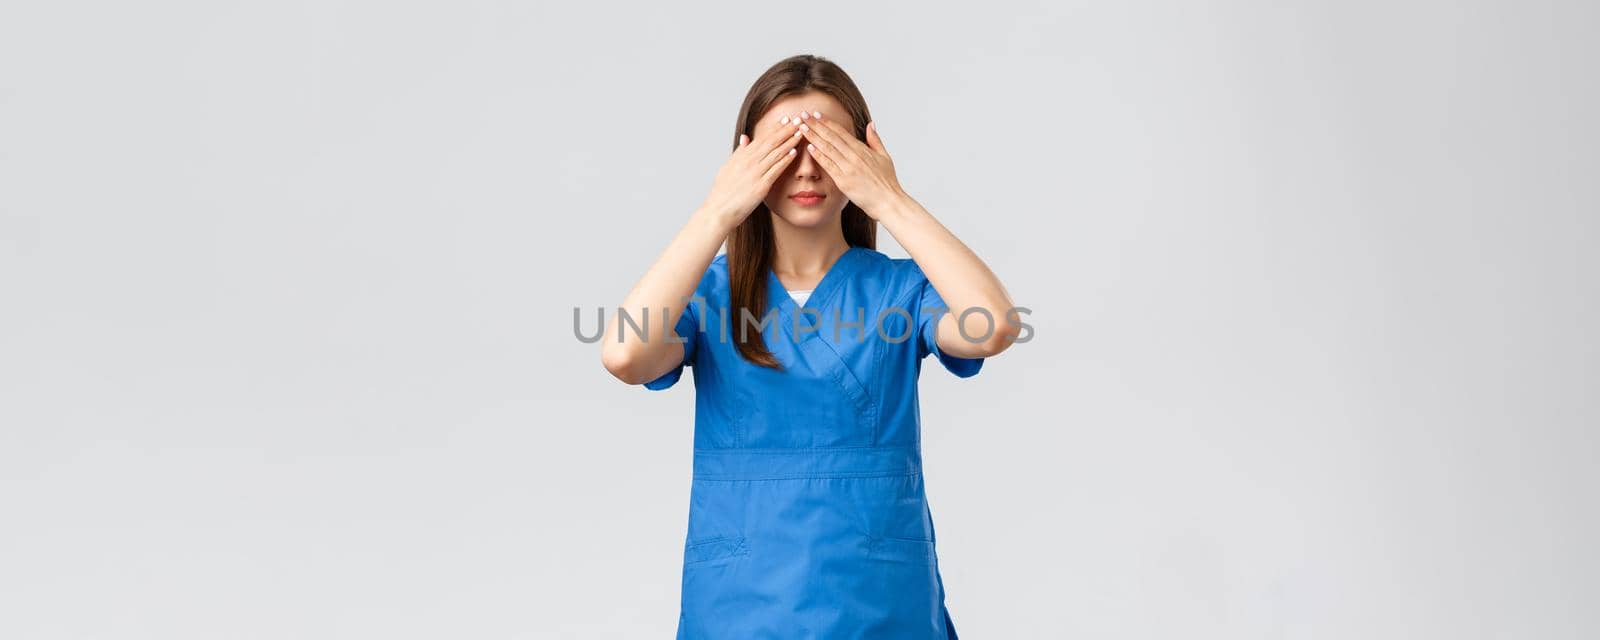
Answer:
(687, 328)
(930, 309)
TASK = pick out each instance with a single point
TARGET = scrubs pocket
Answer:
(901, 550)
(713, 549)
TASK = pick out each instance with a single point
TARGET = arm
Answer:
(960, 277)
(665, 288)
(740, 185)
(866, 174)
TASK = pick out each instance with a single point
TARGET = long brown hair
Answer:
(751, 245)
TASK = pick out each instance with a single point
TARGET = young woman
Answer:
(807, 517)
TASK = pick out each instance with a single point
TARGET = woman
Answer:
(807, 517)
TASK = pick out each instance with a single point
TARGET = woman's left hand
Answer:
(864, 172)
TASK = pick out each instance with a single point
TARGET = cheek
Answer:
(776, 197)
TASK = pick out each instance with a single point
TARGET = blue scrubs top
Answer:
(807, 517)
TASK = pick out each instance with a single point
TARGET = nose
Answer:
(805, 166)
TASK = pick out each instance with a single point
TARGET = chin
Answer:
(805, 218)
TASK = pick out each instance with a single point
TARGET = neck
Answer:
(804, 254)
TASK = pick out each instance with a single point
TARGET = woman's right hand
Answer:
(746, 178)
(741, 184)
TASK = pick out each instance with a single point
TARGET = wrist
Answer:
(894, 208)
(719, 217)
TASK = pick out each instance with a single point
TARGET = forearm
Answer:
(661, 295)
(958, 274)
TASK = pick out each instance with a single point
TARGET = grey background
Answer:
(286, 347)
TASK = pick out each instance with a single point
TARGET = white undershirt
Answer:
(800, 295)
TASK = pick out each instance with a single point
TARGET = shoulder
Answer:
(894, 278)
(718, 270)
(715, 280)
(898, 271)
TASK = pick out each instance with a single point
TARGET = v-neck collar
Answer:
(837, 273)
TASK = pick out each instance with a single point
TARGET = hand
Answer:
(747, 176)
(864, 172)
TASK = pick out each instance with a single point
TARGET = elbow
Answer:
(992, 347)
(983, 333)
(622, 365)
(1007, 328)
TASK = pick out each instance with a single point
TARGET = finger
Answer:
(873, 141)
(822, 138)
(743, 139)
(844, 138)
(828, 163)
(831, 138)
(776, 137)
(782, 148)
(788, 123)
(777, 169)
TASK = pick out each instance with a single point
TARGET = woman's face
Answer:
(804, 173)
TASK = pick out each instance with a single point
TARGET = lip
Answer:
(808, 198)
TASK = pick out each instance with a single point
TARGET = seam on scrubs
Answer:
(876, 388)
(842, 447)
(790, 450)
(790, 464)
(839, 370)
(807, 476)
(729, 546)
(905, 298)
(901, 549)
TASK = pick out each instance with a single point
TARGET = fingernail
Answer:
(804, 128)
(796, 134)
(817, 114)
(804, 115)
(785, 120)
